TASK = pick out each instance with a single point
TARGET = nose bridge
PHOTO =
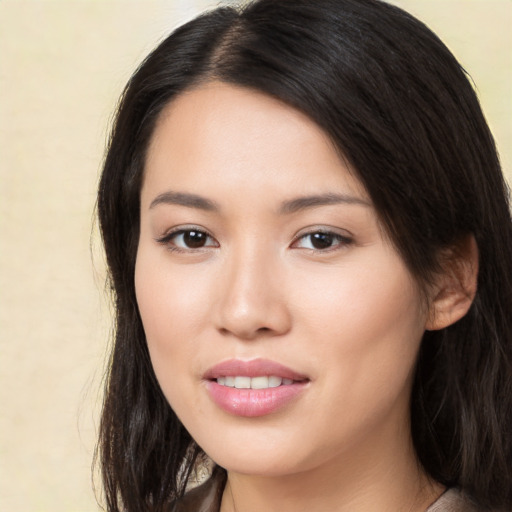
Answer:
(252, 301)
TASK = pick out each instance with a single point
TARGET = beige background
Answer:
(62, 66)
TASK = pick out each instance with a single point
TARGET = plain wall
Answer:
(62, 67)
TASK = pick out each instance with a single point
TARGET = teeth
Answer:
(261, 382)
(274, 382)
(242, 382)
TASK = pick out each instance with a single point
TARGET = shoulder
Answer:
(203, 498)
(453, 501)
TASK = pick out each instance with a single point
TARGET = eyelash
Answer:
(341, 240)
(168, 238)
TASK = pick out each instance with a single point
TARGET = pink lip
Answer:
(252, 368)
(253, 402)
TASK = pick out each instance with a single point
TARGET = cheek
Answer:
(367, 325)
(172, 307)
(365, 299)
(171, 299)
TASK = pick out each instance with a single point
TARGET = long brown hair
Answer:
(401, 109)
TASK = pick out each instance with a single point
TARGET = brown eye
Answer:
(188, 239)
(194, 239)
(321, 241)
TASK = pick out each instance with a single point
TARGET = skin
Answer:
(350, 316)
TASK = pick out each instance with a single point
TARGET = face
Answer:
(282, 325)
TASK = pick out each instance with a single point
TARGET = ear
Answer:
(454, 289)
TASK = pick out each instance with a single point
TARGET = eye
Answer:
(321, 241)
(188, 239)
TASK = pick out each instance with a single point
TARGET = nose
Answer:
(252, 302)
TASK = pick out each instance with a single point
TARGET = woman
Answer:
(310, 245)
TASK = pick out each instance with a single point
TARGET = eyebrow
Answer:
(287, 207)
(185, 199)
(305, 202)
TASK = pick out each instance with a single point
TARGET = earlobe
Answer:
(456, 287)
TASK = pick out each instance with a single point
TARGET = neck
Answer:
(375, 476)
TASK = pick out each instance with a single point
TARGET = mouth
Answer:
(253, 388)
(260, 382)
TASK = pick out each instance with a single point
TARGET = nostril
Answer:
(249, 320)
(246, 333)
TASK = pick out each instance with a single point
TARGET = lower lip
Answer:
(253, 402)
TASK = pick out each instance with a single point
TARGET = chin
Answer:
(257, 466)
(266, 457)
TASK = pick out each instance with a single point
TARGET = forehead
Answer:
(220, 133)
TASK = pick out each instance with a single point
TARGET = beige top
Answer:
(207, 497)
(452, 501)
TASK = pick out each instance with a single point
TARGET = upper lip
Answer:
(252, 368)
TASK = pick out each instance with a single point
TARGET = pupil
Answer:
(321, 240)
(194, 239)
